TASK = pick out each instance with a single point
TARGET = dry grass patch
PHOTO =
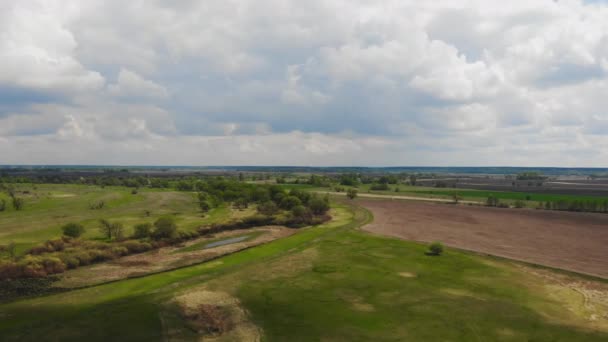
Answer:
(216, 316)
(407, 274)
(585, 300)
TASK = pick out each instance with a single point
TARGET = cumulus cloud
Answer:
(290, 82)
(130, 84)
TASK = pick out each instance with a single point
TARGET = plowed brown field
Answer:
(571, 241)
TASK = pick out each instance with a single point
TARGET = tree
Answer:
(301, 213)
(436, 248)
(72, 230)
(492, 201)
(17, 203)
(111, 230)
(268, 208)
(241, 203)
(142, 230)
(203, 202)
(289, 202)
(319, 206)
(413, 179)
(11, 249)
(351, 193)
(165, 227)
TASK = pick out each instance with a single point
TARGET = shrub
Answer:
(136, 246)
(436, 248)
(520, 204)
(142, 230)
(70, 261)
(165, 227)
(119, 250)
(18, 203)
(53, 265)
(268, 208)
(351, 193)
(379, 187)
(97, 206)
(2, 205)
(72, 230)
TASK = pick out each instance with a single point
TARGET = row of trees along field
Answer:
(275, 206)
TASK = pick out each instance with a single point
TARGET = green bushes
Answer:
(351, 193)
(268, 208)
(18, 203)
(142, 230)
(72, 230)
(165, 228)
(56, 256)
(435, 249)
(379, 187)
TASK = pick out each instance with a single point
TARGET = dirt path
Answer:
(391, 197)
(570, 241)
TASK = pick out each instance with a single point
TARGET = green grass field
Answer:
(470, 194)
(48, 207)
(330, 282)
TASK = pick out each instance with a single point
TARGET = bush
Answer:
(119, 250)
(136, 246)
(165, 228)
(73, 230)
(351, 193)
(268, 208)
(53, 265)
(520, 204)
(142, 231)
(71, 261)
(18, 203)
(2, 205)
(379, 187)
(435, 248)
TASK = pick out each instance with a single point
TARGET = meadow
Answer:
(327, 282)
(49, 206)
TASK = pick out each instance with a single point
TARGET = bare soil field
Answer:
(570, 241)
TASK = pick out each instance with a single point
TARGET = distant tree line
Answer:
(597, 206)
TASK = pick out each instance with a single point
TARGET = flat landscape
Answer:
(570, 241)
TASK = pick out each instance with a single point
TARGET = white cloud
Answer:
(279, 82)
(130, 84)
(37, 50)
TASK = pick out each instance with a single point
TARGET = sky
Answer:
(311, 83)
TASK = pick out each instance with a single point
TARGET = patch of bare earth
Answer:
(165, 258)
(213, 316)
(570, 241)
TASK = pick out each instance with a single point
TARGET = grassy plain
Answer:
(330, 282)
(48, 207)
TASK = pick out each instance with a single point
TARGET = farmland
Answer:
(571, 241)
